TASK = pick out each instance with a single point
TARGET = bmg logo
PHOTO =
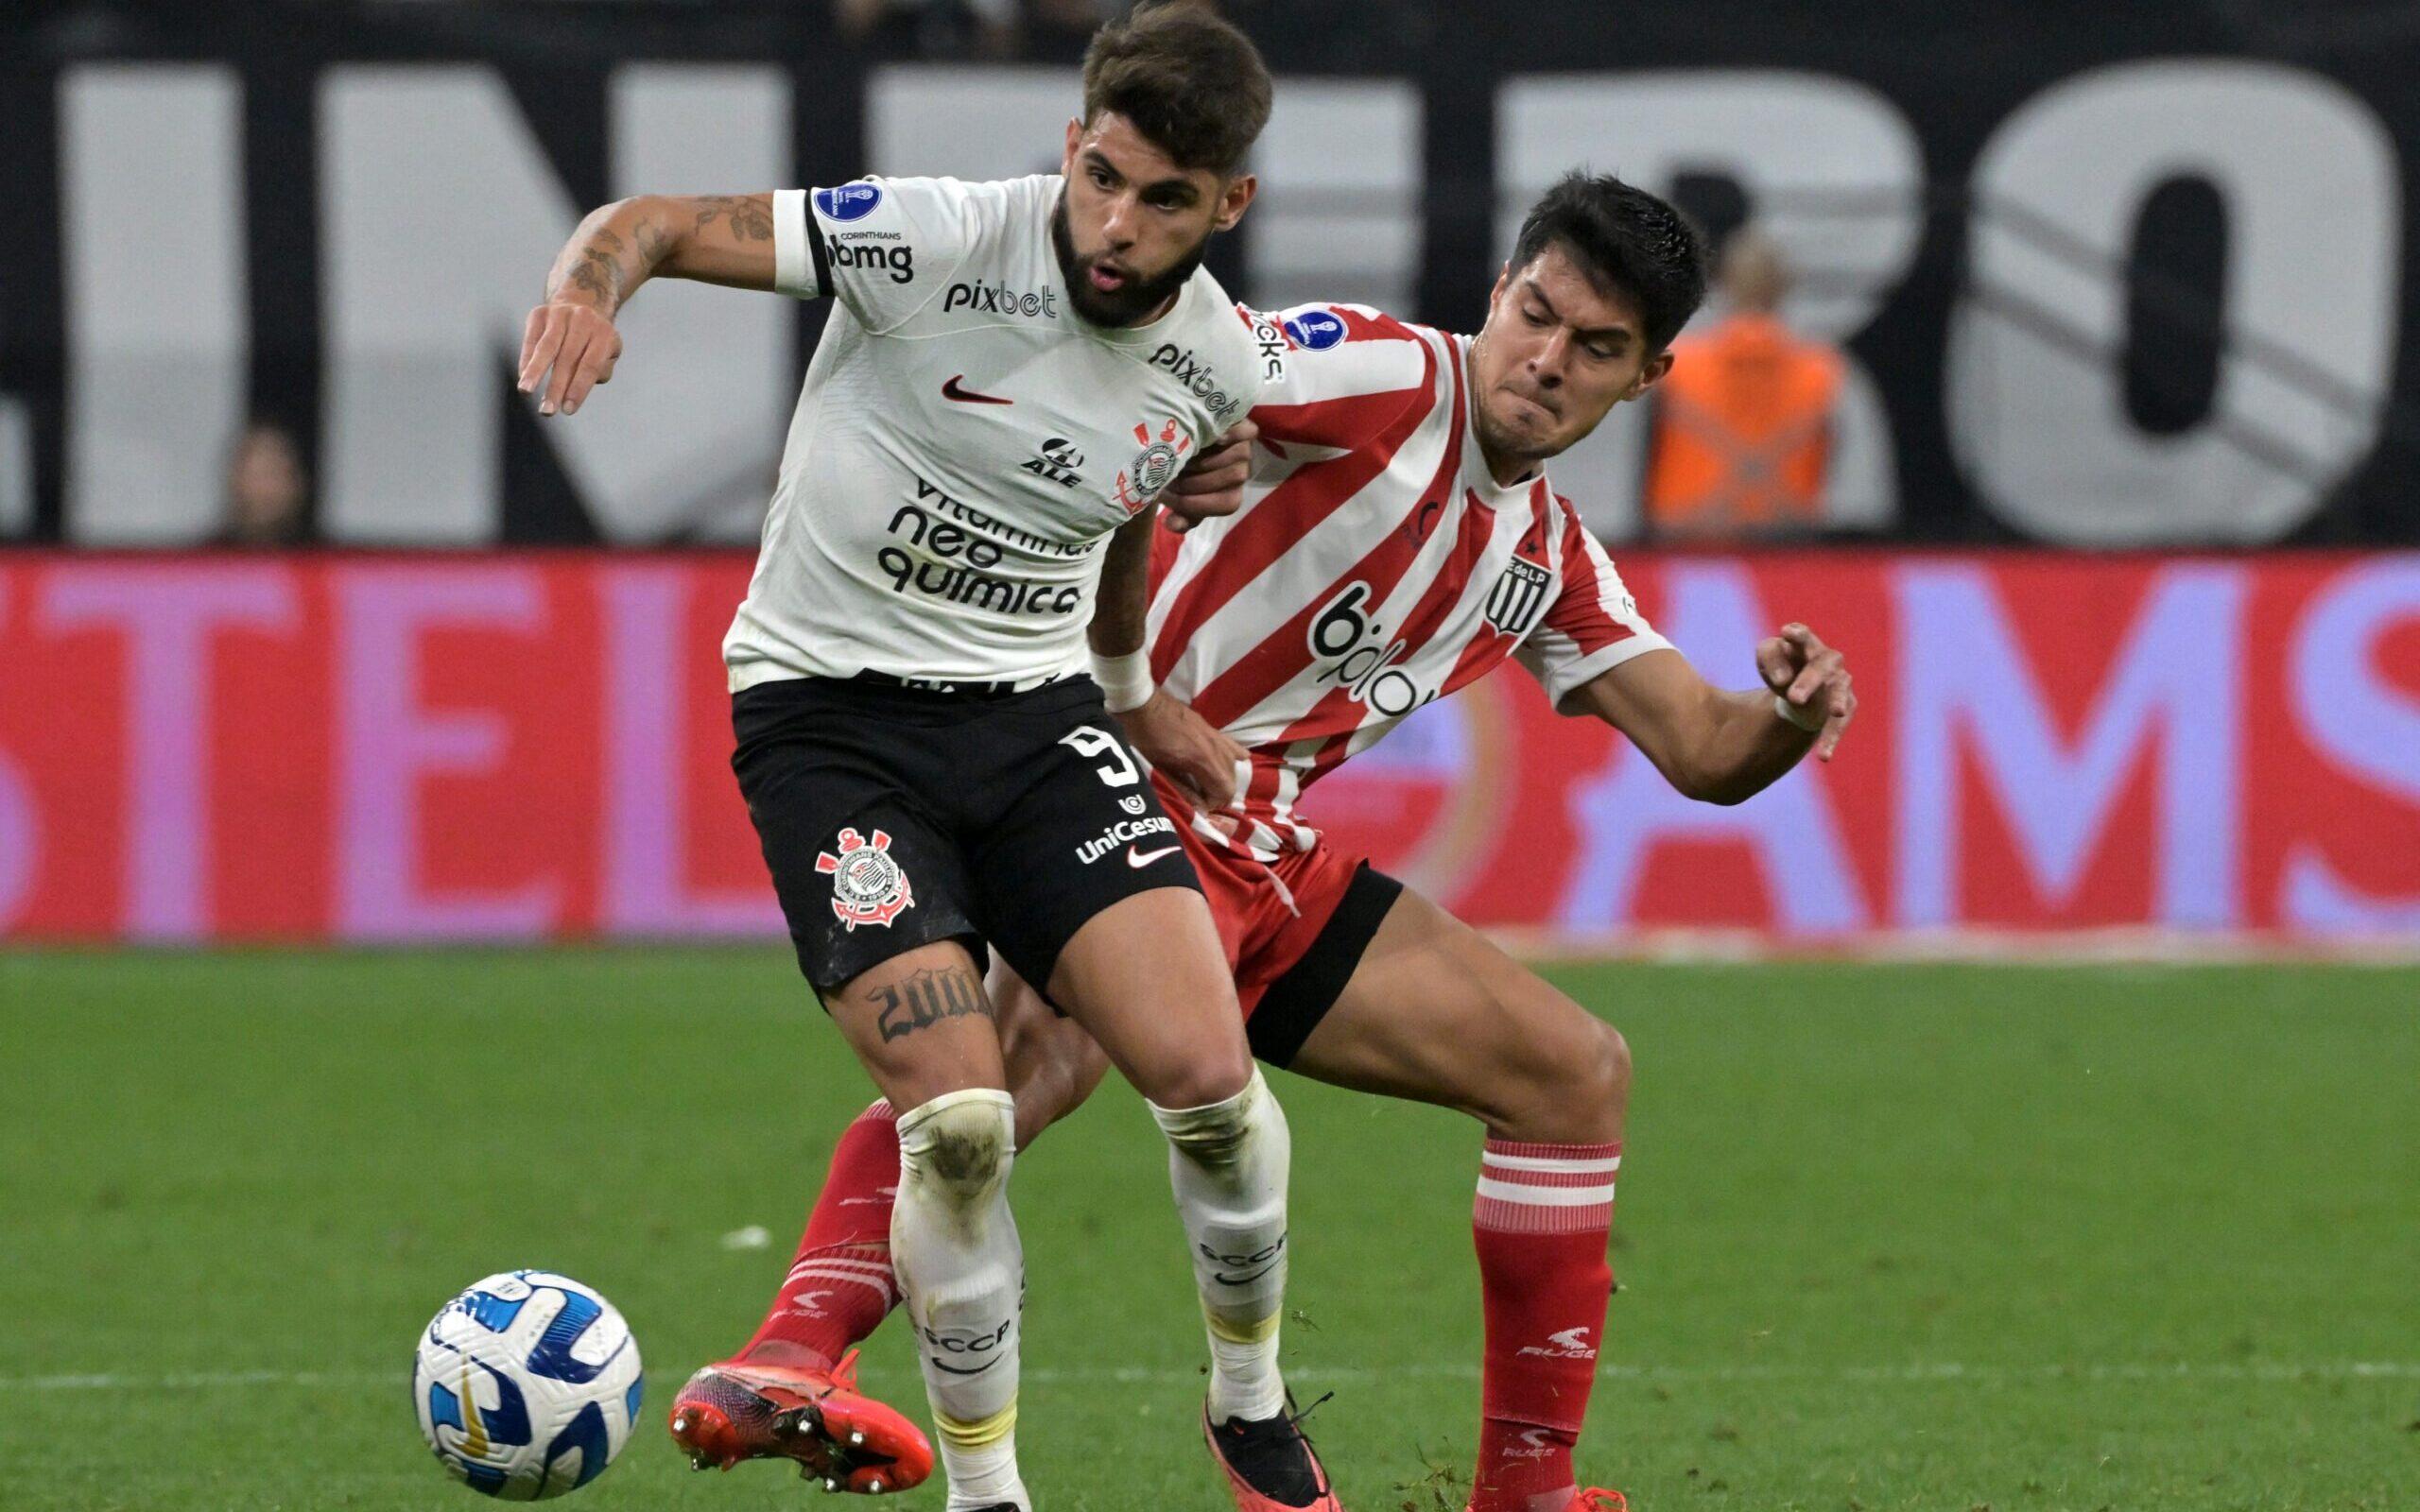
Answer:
(898, 257)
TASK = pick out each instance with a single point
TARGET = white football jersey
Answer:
(965, 443)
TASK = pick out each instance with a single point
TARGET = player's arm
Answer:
(725, 239)
(1189, 750)
(1719, 745)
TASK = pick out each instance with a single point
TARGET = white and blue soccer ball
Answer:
(527, 1384)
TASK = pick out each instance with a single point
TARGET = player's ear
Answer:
(1235, 200)
(1649, 376)
(1067, 159)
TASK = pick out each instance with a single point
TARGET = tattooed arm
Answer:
(725, 239)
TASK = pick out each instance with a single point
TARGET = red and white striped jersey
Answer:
(1375, 565)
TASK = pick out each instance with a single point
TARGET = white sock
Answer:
(961, 1272)
(1228, 1163)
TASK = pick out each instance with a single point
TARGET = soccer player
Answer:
(1014, 372)
(1399, 540)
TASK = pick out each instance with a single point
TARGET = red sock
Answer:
(1541, 1223)
(839, 1286)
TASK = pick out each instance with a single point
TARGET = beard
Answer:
(1125, 305)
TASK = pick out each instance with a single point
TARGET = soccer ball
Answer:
(527, 1384)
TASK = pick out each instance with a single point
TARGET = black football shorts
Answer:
(892, 816)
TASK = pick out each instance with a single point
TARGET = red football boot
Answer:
(1271, 1465)
(740, 1410)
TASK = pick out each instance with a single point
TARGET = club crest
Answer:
(1152, 469)
(868, 886)
(1513, 603)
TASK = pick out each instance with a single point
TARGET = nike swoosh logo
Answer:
(1224, 1280)
(1139, 859)
(968, 396)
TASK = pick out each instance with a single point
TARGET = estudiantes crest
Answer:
(868, 887)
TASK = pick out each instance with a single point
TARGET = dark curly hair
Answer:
(1188, 81)
(1625, 241)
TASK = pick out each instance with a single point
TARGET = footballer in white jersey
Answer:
(1398, 537)
(1012, 374)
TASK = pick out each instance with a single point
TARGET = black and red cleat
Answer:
(737, 1410)
(1271, 1465)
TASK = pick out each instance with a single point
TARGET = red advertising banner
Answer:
(534, 746)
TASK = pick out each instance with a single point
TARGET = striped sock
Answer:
(839, 1286)
(1541, 1222)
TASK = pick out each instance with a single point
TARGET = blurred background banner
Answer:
(2093, 276)
(532, 747)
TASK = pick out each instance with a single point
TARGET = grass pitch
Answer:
(1889, 1237)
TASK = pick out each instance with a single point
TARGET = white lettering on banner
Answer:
(2360, 721)
(646, 840)
(167, 617)
(16, 466)
(1339, 168)
(1964, 685)
(2315, 205)
(20, 827)
(151, 176)
(387, 744)
(1830, 168)
(1711, 613)
(424, 330)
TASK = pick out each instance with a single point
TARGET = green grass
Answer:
(1930, 1237)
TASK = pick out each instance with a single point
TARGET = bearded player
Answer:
(1399, 540)
(1012, 373)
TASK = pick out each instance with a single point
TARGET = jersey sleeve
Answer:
(1592, 625)
(879, 246)
(1336, 375)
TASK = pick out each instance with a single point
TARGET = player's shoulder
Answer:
(1341, 374)
(934, 204)
(1312, 329)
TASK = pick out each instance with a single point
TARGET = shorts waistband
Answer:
(1001, 689)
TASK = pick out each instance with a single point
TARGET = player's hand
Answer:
(1189, 750)
(579, 342)
(1212, 484)
(1807, 674)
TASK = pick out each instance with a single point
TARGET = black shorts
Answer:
(896, 816)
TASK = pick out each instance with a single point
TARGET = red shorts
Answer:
(1293, 929)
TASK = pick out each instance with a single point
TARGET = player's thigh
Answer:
(873, 888)
(1053, 1065)
(1435, 1013)
(1146, 979)
(1084, 888)
(921, 1023)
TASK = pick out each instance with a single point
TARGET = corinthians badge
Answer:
(868, 887)
(1154, 466)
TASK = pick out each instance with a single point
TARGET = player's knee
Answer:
(1202, 1079)
(1223, 1132)
(1566, 1083)
(957, 1149)
(1607, 1082)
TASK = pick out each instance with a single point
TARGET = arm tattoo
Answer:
(925, 998)
(600, 273)
(749, 221)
